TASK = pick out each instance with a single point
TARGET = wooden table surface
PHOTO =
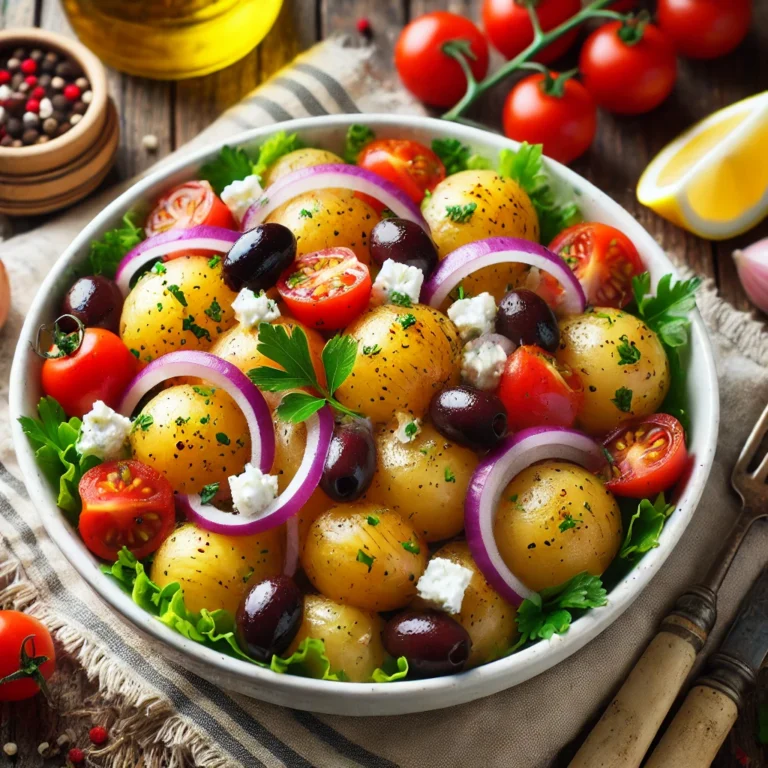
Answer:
(177, 111)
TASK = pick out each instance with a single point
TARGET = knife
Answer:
(712, 706)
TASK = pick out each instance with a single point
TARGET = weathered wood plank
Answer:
(18, 13)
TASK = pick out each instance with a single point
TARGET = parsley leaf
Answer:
(371, 351)
(645, 527)
(411, 428)
(456, 156)
(158, 268)
(629, 354)
(461, 214)
(365, 559)
(274, 148)
(178, 294)
(357, 137)
(214, 311)
(666, 313)
(339, 356)
(400, 299)
(623, 399)
(189, 324)
(222, 438)
(231, 164)
(299, 406)
(214, 262)
(449, 476)
(105, 254)
(373, 520)
(143, 421)
(567, 523)
(305, 214)
(409, 546)
(406, 321)
(208, 492)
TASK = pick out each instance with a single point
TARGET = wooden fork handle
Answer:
(625, 731)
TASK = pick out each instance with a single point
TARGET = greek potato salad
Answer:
(389, 415)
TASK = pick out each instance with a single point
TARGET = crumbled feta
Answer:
(483, 363)
(395, 277)
(251, 309)
(444, 584)
(253, 491)
(407, 427)
(104, 433)
(473, 317)
(240, 195)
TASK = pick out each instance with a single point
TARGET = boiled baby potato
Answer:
(555, 520)
(364, 555)
(197, 436)
(326, 218)
(424, 480)
(216, 570)
(404, 356)
(188, 306)
(622, 365)
(298, 159)
(474, 205)
(352, 637)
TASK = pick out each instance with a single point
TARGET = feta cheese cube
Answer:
(408, 427)
(104, 433)
(252, 491)
(240, 195)
(444, 583)
(251, 309)
(473, 317)
(482, 364)
(395, 277)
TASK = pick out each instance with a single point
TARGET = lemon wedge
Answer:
(713, 179)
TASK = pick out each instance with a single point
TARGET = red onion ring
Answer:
(491, 477)
(498, 250)
(333, 176)
(203, 238)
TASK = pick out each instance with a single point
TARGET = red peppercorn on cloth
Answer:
(161, 714)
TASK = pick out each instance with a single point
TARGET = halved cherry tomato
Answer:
(125, 504)
(99, 369)
(19, 630)
(189, 205)
(537, 390)
(603, 258)
(646, 457)
(407, 164)
(327, 289)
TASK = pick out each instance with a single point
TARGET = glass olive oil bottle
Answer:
(171, 39)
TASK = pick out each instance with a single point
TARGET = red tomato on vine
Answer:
(27, 656)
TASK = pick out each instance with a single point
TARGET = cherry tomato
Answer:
(628, 77)
(560, 115)
(189, 205)
(509, 27)
(603, 258)
(647, 457)
(426, 70)
(327, 289)
(100, 369)
(125, 504)
(537, 390)
(19, 630)
(409, 165)
(704, 29)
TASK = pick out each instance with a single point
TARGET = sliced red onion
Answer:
(499, 250)
(491, 478)
(333, 176)
(286, 505)
(202, 238)
(221, 374)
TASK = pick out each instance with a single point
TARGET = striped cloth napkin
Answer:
(162, 715)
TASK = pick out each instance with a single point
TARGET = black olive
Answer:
(405, 242)
(95, 301)
(525, 318)
(269, 616)
(469, 416)
(258, 257)
(351, 461)
(433, 642)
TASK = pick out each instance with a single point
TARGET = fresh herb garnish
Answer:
(461, 214)
(143, 421)
(457, 157)
(449, 476)
(205, 419)
(305, 214)
(181, 421)
(406, 320)
(357, 137)
(158, 268)
(214, 262)
(629, 354)
(605, 316)
(223, 438)
(365, 559)
(567, 523)
(411, 428)
(208, 492)
(135, 353)
(178, 294)
(623, 399)
(400, 299)
(189, 324)
(214, 311)
(645, 527)
(204, 391)
(371, 351)
(373, 520)
(409, 546)
(105, 254)
(231, 164)
(277, 145)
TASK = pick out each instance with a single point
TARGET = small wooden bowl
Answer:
(45, 177)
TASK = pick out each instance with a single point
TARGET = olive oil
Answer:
(171, 39)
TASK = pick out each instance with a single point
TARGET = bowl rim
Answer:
(362, 698)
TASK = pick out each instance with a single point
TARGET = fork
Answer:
(625, 731)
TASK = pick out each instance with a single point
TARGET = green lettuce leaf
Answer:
(357, 137)
(231, 164)
(391, 671)
(645, 527)
(106, 253)
(277, 145)
(457, 157)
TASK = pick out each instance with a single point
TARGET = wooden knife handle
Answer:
(625, 731)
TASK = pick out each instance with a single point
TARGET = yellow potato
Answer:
(364, 555)
(215, 570)
(592, 345)
(197, 436)
(555, 520)
(298, 159)
(352, 637)
(186, 307)
(403, 367)
(411, 477)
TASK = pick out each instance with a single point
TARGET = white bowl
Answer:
(361, 698)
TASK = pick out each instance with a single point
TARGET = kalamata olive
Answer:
(433, 642)
(469, 416)
(258, 257)
(405, 242)
(351, 461)
(525, 318)
(269, 616)
(95, 301)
